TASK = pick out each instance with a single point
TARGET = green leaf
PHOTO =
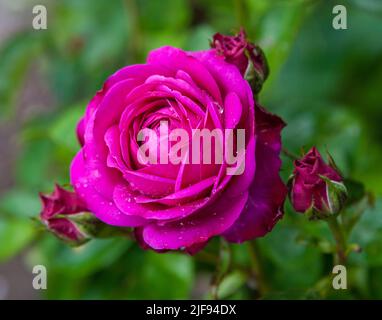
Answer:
(161, 276)
(368, 234)
(63, 130)
(14, 236)
(231, 283)
(16, 55)
(20, 203)
(33, 163)
(199, 38)
(278, 30)
(82, 261)
(375, 280)
(356, 191)
(282, 243)
(223, 266)
(174, 16)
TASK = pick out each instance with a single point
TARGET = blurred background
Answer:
(325, 83)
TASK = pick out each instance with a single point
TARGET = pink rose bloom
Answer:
(179, 206)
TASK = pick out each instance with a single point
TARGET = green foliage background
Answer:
(325, 83)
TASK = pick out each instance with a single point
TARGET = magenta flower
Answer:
(316, 186)
(179, 206)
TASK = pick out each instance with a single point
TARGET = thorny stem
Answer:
(240, 11)
(207, 258)
(290, 154)
(339, 237)
(256, 267)
(134, 29)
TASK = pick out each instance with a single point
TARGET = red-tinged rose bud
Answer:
(57, 212)
(258, 70)
(64, 214)
(315, 187)
(246, 56)
(233, 48)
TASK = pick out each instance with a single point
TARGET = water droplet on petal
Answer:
(219, 107)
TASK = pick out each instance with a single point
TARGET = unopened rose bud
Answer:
(316, 187)
(258, 70)
(64, 214)
(246, 56)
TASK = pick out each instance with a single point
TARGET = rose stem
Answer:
(134, 29)
(339, 237)
(240, 12)
(207, 258)
(290, 154)
(257, 269)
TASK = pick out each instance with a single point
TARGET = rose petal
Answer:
(102, 207)
(267, 192)
(175, 59)
(232, 110)
(124, 198)
(301, 195)
(196, 228)
(193, 192)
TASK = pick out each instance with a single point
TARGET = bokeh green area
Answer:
(325, 83)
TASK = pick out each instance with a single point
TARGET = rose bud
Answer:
(248, 57)
(64, 214)
(316, 187)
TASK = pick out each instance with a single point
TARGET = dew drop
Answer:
(220, 108)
